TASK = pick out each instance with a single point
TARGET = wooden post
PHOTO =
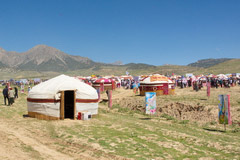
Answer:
(101, 87)
(99, 94)
(109, 98)
(62, 106)
(74, 110)
(208, 89)
(229, 112)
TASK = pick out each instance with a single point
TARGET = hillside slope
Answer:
(231, 66)
(205, 63)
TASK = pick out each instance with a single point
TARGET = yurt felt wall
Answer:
(45, 98)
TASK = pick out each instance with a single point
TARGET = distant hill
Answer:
(117, 63)
(230, 66)
(205, 63)
(132, 66)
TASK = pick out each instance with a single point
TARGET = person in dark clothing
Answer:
(221, 83)
(16, 92)
(5, 95)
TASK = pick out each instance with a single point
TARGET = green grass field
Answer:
(122, 133)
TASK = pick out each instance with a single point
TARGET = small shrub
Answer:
(213, 123)
(115, 106)
(235, 130)
(184, 122)
(103, 111)
(168, 117)
(209, 109)
(123, 109)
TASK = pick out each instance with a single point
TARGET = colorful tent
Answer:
(61, 97)
(126, 77)
(104, 84)
(157, 83)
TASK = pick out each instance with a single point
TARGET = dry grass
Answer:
(121, 133)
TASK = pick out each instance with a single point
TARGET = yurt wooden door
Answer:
(68, 104)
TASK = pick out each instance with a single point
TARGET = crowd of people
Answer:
(10, 94)
(129, 83)
(214, 82)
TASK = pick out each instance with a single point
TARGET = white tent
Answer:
(60, 96)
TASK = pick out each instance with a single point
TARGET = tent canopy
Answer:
(156, 78)
(104, 80)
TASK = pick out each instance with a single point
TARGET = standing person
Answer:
(16, 92)
(29, 88)
(5, 95)
(22, 88)
(181, 83)
(11, 96)
(217, 82)
(221, 82)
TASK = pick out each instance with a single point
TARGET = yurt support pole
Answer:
(74, 110)
(62, 106)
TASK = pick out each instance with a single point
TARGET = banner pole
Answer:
(109, 99)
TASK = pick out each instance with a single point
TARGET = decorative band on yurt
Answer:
(87, 100)
(35, 100)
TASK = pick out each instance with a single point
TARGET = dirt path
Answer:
(22, 141)
(19, 137)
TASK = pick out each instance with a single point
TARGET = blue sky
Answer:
(142, 31)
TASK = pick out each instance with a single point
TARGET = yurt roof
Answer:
(52, 87)
(156, 78)
(126, 77)
(104, 80)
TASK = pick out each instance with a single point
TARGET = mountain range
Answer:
(43, 58)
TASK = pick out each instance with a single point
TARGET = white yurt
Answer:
(61, 97)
